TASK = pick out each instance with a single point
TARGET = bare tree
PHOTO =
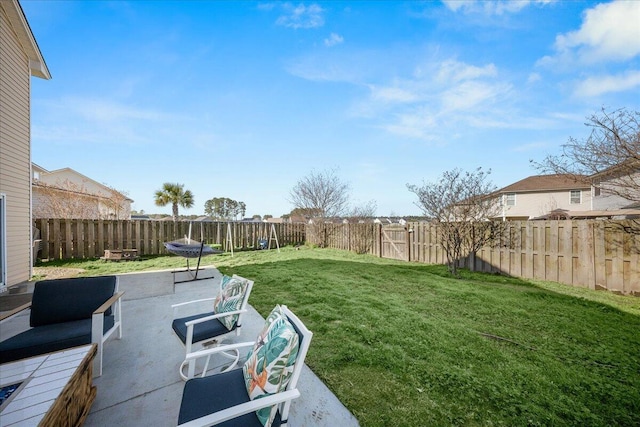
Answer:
(64, 199)
(362, 229)
(303, 214)
(322, 192)
(116, 205)
(463, 206)
(325, 197)
(364, 211)
(611, 152)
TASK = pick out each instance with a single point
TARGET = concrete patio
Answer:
(140, 384)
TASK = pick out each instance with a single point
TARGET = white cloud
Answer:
(594, 86)
(309, 69)
(493, 7)
(609, 32)
(393, 94)
(333, 40)
(301, 16)
(455, 71)
(419, 123)
(86, 119)
(471, 94)
(104, 110)
(446, 95)
(534, 77)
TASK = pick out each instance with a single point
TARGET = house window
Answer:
(510, 199)
(576, 197)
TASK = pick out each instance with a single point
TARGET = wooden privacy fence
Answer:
(587, 253)
(78, 238)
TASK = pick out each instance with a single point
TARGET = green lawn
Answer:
(406, 345)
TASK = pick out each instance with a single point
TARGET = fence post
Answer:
(408, 241)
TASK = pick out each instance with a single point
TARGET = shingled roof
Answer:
(555, 182)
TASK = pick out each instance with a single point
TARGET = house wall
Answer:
(15, 151)
(95, 205)
(534, 204)
(63, 175)
(607, 201)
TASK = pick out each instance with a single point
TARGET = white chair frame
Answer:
(283, 399)
(211, 341)
(97, 323)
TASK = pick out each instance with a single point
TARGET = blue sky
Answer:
(243, 99)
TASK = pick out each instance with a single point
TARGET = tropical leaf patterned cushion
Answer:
(270, 362)
(230, 298)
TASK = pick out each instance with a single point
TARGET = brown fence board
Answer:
(76, 238)
(587, 253)
(565, 252)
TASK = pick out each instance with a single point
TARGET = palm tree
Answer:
(174, 194)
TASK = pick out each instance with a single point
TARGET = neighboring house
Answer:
(387, 220)
(617, 187)
(204, 219)
(140, 217)
(275, 220)
(20, 58)
(65, 193)
(538, 195)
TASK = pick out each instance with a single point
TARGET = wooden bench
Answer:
(120, 254)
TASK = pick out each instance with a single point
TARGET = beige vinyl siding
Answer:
(15, 155)
(534, 204)
(92, 204)
(608, 201)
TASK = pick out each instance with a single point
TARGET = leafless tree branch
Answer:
(460, 203)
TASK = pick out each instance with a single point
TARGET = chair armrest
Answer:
(192, 302)
(243, 408)
(108, 303)
(217, 349)
(15, 311)
(214, 316)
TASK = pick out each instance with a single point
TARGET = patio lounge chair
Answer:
(67, 313)
(211, 327)
(260, 393)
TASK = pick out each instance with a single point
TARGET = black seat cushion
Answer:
(66, 300)
(204, 396)
(49, 338)
(201, 331)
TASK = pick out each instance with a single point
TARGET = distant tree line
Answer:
(224, 208)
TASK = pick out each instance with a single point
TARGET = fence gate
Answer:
(394, 241)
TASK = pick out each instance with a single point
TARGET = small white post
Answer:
(274, 236)
(230, 237)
